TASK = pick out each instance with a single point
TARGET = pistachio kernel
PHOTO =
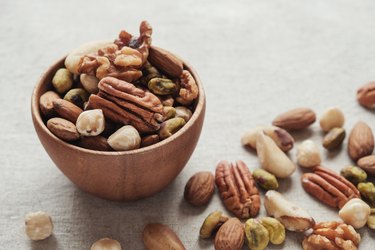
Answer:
(77, 96)
(171, 126)
(169, 112)
(334, 138)
(162, 86)
(212, 222)
(265, 179)
(62, 81)
(367, 190)
(276, 230)
(354, 174)
(257, 236)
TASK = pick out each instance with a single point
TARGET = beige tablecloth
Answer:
(256, 59)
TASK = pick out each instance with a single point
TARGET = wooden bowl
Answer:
(127, 175)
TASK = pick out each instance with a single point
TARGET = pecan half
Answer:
(332, 236)
(237, 189)
(189, 89)
(124, 103)
(329, 187)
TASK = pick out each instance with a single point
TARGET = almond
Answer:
(200, 188)
(361, 141)
(366, 95)
(230, 235)
(160, 237)
(67, 110)
(95, 143)
(367, 163)
(63, 129)
(165, 61)
(46, 103)
(295, 119)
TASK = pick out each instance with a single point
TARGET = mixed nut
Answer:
(122, 94)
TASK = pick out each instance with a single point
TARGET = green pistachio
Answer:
(171, 126)
(276, 230)
(354, 174)
(212, 222)
(162, 86)
(367, 190)
(265, 179)
(334, 138)
(257, 236)
(62, 81)
(371, 222)
(77, 96)
(169, 112)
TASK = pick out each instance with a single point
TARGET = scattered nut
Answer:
(38, 225)
(162, 86)
(366, 95)
(90, 83)
(237, 189)
(169, 112)
(257, 237)
(200, 188)
(333, 236)
(355, 212)
(62, 81)
(126, 138)
(67, 109)
(160, 237)
(106, 244)
(265, 179)
(291, 216)
(280, 136)
(77, 96)
(212, 222)
(332, 118)
(272, 158)
(367, 190)
(367, 163)
(46, 103)
(295, 119)
(184, 113)
(91, 122)
(63, 129)
(308, 154)
(334, 138)
(170, 127)
(354, 174)
(361, 141)
(276, 230)
(230, 235)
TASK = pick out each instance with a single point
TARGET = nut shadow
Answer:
(301, 135)
(187, 209)
(285, 184)
(47, 244)
(331, 154)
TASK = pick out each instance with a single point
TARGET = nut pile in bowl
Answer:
(119, 95)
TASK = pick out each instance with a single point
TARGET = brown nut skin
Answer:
(361, 141)
(165, 61)
(230, 235)
(295, 119)
(367, 163)
(149, 140)
(200, 188)
(98, 143)
(237, 189)
(160, 237)
(67, 110)
(63, 129)
(46, 103)
(366, 95)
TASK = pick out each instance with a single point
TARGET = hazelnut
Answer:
(38, 225)
(308, 154)
(91, 122)
(332, 118)
(355, 212)
(126, 138)
(106, 244)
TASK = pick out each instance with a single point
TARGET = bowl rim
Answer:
(200, 106)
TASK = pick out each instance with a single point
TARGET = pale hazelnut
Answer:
(90, 83)
(332, 118)
(91, 122)
(38, 225)
(308, 154)
(355, 212)
(126, 138)
(106, 244)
